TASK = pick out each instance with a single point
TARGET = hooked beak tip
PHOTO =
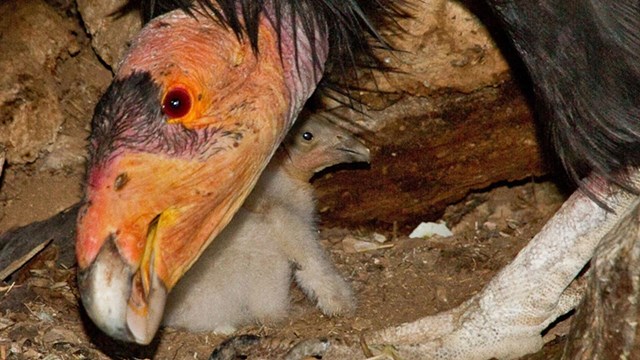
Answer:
(112, 296)
(360, 154)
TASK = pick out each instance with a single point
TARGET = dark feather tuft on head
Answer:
(128, 117)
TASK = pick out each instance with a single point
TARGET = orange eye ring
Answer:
(177, 102)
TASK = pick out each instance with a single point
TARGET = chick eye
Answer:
(307, 136)
(176, 103)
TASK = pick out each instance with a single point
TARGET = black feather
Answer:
(584, 59)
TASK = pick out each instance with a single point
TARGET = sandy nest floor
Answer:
(400, 280)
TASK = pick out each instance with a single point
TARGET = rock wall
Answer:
(447, 121)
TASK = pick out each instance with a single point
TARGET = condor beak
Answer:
(146, 220)
(107, 278)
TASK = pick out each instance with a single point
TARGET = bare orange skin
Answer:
(233, 89)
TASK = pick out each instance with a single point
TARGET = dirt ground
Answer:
(401, 280)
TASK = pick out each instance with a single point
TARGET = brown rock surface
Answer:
(50, 83)
(111, 25)
(428, 152)
(448, 120)
(442, 46)
(34, 36)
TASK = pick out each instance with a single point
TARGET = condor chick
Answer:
(244, 276)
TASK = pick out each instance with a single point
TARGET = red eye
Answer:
(176, 103)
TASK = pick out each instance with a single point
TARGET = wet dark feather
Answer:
(584, 59)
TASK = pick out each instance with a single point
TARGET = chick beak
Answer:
(352, 150)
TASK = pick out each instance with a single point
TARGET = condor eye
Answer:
(307, 136)
(176, 103)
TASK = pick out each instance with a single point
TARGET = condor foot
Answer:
(466, 332)
(506, 318)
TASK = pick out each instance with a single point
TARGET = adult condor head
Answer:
(197, 108)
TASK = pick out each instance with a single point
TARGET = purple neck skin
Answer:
(302, 74)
